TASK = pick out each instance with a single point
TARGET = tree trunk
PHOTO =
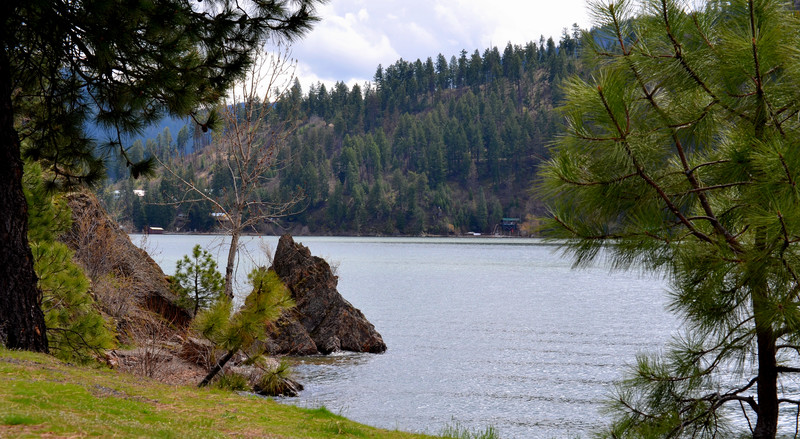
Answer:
(767, 390)
(217, 367)
(196, 286)
(21, 318)
(767, 423)
(232, 251)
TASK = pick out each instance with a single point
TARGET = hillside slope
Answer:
(428, 147)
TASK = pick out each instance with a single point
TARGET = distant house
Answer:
(510, 226)
(138, 192)
(220, 216)
(155, 230)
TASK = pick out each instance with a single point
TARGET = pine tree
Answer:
(197, 280)
(183, 139)
(235, 331)
(681, 157)
(120, 65)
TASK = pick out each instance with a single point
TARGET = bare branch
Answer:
(247, 151)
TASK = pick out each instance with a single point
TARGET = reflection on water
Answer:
(480, 331)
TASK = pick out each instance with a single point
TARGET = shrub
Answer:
(232, 381)
(278, 381)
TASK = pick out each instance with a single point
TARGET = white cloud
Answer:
(308, 77)
(420, 35)
(343, 44)
(355, 36)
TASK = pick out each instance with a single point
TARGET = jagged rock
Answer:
(321, 313)
(287, 337)
(106, 253)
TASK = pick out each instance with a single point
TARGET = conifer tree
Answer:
(234, 331)
(197, 279)
(682, 157)
(120, 65)
(183, 139)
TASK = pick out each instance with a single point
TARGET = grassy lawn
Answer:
(42, 397)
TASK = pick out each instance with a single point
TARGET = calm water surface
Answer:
(481, 332)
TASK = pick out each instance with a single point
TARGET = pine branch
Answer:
(641, 172)
(598, 183)
(715, 187)
(678, 55)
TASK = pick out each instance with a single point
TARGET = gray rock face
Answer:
(322, 320)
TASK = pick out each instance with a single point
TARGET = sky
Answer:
(355, 36)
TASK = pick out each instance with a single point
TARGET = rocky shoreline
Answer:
(156, 332)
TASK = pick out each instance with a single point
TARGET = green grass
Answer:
(41, 396)
(457, 431)
(19, 420)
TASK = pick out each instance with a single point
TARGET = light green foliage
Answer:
(232, 381)
(213, 323)
(197, 280)
(233, 331)
(275, 381)
(75, 328)
(264, 304)
(681, 156)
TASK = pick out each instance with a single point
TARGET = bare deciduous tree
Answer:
(246, 150)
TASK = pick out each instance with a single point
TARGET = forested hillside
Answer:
(439, 146)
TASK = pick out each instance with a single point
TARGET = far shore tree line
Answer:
(428, 147)
(678, 154)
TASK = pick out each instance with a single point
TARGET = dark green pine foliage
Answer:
(681, 157)
(197, 280)
(478, 124)
(126, 66)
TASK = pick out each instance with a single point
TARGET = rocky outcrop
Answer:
(322, 320)
(124, 277)
(132, 289)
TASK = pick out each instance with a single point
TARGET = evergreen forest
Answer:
(440, 147)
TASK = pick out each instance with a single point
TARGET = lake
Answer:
(480, 332)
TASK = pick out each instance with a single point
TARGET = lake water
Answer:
(481, 332)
